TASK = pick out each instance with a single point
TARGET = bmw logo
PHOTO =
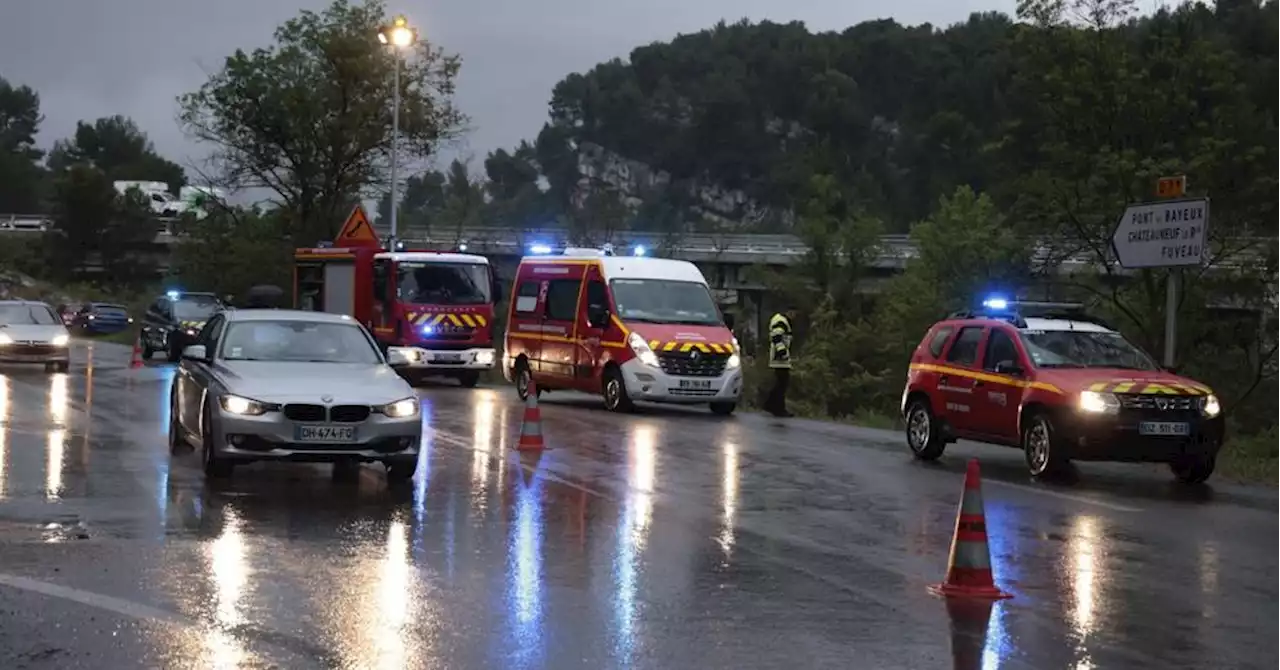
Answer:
(326, 398)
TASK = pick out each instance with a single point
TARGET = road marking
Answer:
(1064, 496)
(111, 604)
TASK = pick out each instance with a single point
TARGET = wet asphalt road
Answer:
(670, 539)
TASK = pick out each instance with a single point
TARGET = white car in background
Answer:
(287, 385)
(31, 332)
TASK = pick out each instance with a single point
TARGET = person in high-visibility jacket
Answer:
(780, 362)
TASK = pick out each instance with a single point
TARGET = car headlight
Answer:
(5, 339)
(1098, 403)
(61, 340)
(485, 357)
(401, 409)
(1210, 406)
(642, 350)
(243, 406)
(734, 361)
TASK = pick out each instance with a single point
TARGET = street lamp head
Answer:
(399, 34)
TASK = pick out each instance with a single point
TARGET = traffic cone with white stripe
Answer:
(531, 427)
(969, 567)
(135, 360)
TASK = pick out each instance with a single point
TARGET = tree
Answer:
(232, 250)
(421, 203)
(94, 225)
(309, 117)
(21, 178)
(119, 149)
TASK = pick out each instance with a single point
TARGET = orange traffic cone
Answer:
(135, 361)
(969, 567)
(531, 427)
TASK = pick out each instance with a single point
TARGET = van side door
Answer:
(558, 354)
(593, 325)
(524, 335)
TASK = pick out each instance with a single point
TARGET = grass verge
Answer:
(1252, 459)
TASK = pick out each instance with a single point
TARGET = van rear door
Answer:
(524, 336)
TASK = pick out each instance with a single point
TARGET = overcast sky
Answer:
(93, 58)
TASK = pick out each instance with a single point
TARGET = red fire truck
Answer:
(436, 307)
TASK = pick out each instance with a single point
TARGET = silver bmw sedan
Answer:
(269, 384)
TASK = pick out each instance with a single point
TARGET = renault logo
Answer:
(693, 355)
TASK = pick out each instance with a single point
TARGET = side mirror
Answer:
(1009, 368)
(195, 352)
(729, 321)
(597, 316)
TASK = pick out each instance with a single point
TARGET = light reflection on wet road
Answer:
(668, 539)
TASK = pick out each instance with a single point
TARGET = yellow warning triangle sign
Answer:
(356, 232)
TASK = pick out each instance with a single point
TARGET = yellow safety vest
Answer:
(780, 341)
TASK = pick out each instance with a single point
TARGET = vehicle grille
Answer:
(686, 364)
(348, 413)
(305, 412)
(21, 348)
(1159, 402)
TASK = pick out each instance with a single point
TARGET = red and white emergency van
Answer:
(627, 327)
(435, 307)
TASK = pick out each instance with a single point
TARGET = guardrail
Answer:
(729, 248)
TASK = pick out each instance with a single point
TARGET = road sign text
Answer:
(1162, 234)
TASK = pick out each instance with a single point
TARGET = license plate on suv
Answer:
(1169, 428)
(319, 434)
(694, 384)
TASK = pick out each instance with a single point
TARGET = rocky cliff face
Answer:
(729, 209)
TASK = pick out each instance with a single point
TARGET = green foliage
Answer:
(232, 250)
(21, 178)
(94, 225)
(119, 149)
(309, 117)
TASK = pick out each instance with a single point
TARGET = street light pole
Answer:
(395, 146)
(398, 35)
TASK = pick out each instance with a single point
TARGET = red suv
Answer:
(1060, 385)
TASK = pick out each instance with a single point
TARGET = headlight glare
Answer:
(61, 340)
(1211, 406)
(401, 409)
(485, 357)
(734, 361)
(243, 406)
(642, 350)
(1094, 402)
(5, 339)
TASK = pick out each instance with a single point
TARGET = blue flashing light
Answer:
(996, 303)
(540, 249)
(428, 330)
(173, 295)
(639, 250)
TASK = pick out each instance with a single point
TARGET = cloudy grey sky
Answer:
(93, 58)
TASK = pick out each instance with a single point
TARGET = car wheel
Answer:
(147, 351)
(1041, 447)
(1193, 470)
(177, 440)
(723, 408)
(175, 350)
(469, 379)
(401, 470)
(924, 435)
(62, 366)
(523, 378)
(615, 392)
(215, 466)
